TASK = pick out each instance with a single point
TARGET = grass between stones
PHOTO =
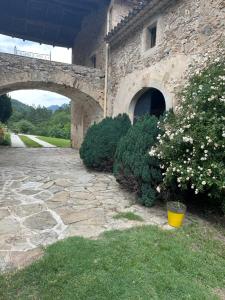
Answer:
(29, 143)
(128, 215)
(62, 143)
(140, 263)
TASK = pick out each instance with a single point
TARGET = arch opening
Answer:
(85, 110)
(149, 101)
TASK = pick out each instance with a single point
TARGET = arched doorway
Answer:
(150, 102)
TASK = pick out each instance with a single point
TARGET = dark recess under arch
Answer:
(152, 102)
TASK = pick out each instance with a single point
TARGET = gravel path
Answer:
(40, 142)
(16, 142)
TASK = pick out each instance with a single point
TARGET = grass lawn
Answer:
(62, 143)
(142, 263)
(29, 143)
(128, 215)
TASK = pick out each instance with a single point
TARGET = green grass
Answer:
(142, 263)
(128, 215)
(62, 143)
(29, 143)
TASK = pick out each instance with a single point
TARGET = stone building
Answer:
(140, 50)
(150, 45)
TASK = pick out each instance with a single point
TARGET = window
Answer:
(151, 36)
(93, 61)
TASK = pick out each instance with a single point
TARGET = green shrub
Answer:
(133, 167)
(7, 140)
(99, 146)
(193, 146)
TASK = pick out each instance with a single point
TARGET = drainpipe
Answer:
(106, 64)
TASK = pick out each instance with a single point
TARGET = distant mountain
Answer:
(21, 107)
(53, 107)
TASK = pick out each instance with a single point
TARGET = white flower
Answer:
(152, 152)
(188, 139)
(203, 182)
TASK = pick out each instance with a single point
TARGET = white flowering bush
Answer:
(192, 147)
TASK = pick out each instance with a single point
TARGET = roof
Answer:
(135, 15)
(53, 22)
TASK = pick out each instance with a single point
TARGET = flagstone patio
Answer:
(47, 195)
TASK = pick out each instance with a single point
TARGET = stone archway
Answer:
(84, 86)
(166, 76)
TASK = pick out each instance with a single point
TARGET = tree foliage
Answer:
(41, 120)
(23, 126)
(99, 146)
(133, 167)
(5, 108)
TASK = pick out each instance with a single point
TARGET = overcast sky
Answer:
(36, 97)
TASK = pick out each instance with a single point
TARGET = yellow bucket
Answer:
(175, 219)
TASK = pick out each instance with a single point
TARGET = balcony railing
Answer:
(32, 54)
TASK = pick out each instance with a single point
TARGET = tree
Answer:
(5, 108)
(24, 126)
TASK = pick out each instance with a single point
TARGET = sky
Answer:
(36, 97)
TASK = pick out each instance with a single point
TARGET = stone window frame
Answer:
(146, 50)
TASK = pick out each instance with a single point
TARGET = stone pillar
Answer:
(77, 124)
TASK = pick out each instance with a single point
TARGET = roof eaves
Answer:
(126, 20)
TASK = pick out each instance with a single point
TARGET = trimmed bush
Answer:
(133, 167)
(99, 146)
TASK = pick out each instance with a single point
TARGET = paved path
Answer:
(16, 142)
(40, 142)
(47, 195)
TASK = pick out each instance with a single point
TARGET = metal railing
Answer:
(32, 55)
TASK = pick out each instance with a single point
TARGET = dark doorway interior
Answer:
(151, 102)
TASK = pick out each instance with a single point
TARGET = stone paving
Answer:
(47, 195)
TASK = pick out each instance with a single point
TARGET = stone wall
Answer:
(186, 29)
(90, 40)
(118, 10)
